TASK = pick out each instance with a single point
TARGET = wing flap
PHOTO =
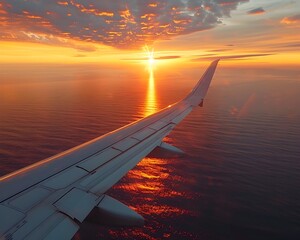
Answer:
(29, 199)
(57, 226)
(77, 204)
(34, 219)
(64, 230)
(7, 222)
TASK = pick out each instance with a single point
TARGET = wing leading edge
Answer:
(51, 198)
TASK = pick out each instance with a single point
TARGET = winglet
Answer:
(197, 95)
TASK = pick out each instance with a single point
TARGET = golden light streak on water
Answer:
(151, 101)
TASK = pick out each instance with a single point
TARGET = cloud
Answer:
(234, 57)
(53, 40)
(291, 20)
(156, 58)
(118, 23)
(167, 57)
(293, 45)
(220, 50)
(288, 46)
(79, 55)
(256, 11)
(47, 39)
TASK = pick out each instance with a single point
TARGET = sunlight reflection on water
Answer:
(151, 101)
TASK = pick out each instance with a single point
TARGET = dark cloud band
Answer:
(231, 57)
(256, 11)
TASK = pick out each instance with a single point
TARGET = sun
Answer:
(150, 56)
(151, 60)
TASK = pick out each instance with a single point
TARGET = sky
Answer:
(189, 31)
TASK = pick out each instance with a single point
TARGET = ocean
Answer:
(239, 177)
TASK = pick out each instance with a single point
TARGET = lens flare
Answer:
(150, 56)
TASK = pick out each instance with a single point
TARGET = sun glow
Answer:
(150, 56)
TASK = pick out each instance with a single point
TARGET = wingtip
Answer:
(198, 93)
(216, 61)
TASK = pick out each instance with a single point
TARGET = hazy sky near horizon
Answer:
(195, 30)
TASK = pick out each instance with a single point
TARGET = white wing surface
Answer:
(49, 199)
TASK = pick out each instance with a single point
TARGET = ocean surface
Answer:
(239, 178)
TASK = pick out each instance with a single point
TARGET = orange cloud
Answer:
(291, 20)
(120, 24)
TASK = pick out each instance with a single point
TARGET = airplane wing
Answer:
(49, 199)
